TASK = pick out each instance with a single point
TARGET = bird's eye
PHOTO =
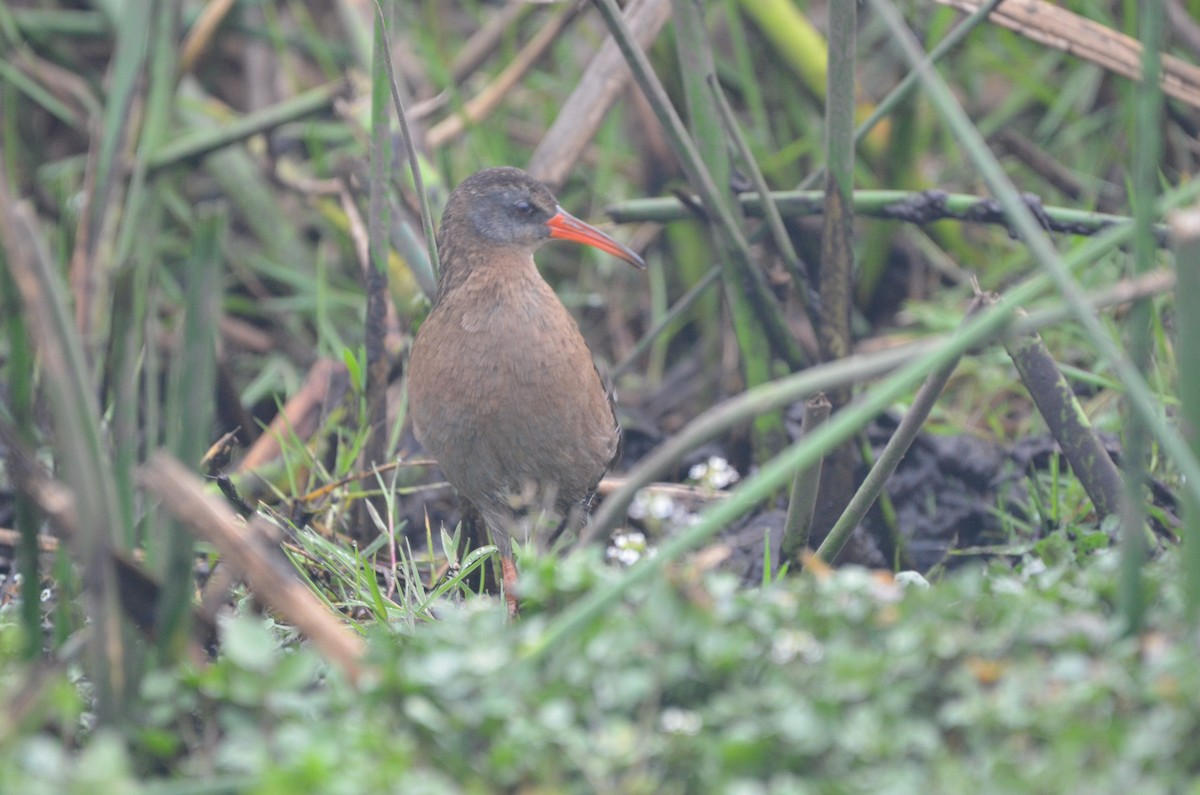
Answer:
(523, 207)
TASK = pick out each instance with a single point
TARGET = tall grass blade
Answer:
(1147, 146)
(1186, 226)
(19, 374)
(190, 412)
(80, 450)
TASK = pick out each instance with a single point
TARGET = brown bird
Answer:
(502, 388)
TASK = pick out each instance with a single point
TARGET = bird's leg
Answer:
(525, 516)
(501, 525)
(509, 577)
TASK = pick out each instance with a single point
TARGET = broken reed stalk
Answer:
(802, 501)
(1067, 421)
(210, 519)
(893, 453)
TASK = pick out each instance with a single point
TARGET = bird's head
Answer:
(505, 208)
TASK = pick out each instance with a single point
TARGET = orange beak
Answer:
(565, 226)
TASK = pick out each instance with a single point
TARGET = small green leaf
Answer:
(248, 643)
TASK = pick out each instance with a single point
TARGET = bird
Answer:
(503, 391)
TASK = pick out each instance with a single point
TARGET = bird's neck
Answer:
(483, 266)
(500, 293)
(475, 264)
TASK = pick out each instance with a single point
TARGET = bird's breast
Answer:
(503, 388)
